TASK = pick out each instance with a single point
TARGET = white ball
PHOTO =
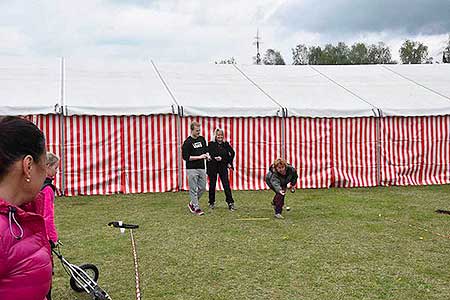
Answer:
(288, 208)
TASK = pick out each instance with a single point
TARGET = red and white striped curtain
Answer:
(120, 154)
(354, 152)
(256, 141)
(332, 152)
(50, 126)
(150, 154)
(93, 152)
(415, 150)
(137, 154)
(308, 148)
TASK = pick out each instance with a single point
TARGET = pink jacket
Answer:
(25, 263)
(45, 206)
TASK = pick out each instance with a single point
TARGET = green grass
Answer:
(333, 244)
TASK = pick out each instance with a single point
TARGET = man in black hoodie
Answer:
(194, 152)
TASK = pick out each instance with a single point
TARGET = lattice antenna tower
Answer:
(257, 42)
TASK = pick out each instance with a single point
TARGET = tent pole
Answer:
(179, 115)
(283, 135)
(62, 132)
(180, 161)
(378, 147)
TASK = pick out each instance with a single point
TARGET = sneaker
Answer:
(199, 212)
(212, 205)
(231, 207)
(191, 208)
(278, 216)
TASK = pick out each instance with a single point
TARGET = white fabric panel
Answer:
(435, 77)
(114, 88)
(307, 93)
(216, 91)
(393, 94)
(29, 86)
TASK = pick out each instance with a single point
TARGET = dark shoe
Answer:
(212, 205)
(191, 208)
(199, 212)
(231, 207)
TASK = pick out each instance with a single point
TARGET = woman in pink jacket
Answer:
(25, 263)
(45, 206)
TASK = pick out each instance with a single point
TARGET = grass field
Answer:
(377, 243)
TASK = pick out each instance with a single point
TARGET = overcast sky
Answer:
(203, 31)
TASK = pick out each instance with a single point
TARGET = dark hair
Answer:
(18, 138)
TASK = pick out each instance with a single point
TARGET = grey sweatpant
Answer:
(197, 185)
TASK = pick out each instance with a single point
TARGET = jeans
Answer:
(197, 185)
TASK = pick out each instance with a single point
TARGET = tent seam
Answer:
(264, 92)
(347, 90)
(419, 84)
(164, 83)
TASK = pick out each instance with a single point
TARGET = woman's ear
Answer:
(27, 166)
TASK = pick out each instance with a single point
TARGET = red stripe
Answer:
(99, 160)
(91, 162)
(109, 154)
(153, 147)
(164, 161)
(78, 170)
(101, 152)
(253, 160)
(147, 152)
(241, 165)
(158, 151)
(136, 126)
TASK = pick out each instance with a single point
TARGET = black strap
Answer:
(128, 226)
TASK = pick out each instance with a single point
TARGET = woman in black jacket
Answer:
(222, 156)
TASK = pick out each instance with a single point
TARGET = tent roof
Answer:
(393, 94)
(114, 89)
(305, 92)
(29, 86)
(118, 88)
(216, 90)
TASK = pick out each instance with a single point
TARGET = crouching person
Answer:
(280, 178)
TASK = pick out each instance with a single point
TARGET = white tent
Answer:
(29, 86)
(304, 92)
(114, 89)
(216, 90)
(435, 78)
(123, 123)
(392, 94)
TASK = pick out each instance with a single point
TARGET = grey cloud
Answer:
(360, 16)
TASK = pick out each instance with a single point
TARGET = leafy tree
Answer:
(229, 61)
(335, 55)
(273, 57)
(342, 53)
(327, 56)
(359, 54)
(379, 54)
(314, 55)
(300, 55)
(446, 52)
(412, 52)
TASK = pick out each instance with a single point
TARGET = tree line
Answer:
(411, 52)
